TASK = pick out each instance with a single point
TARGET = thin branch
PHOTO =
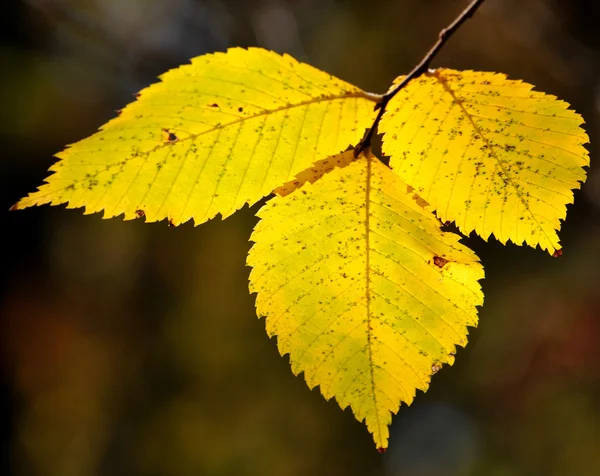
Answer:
(417, 71)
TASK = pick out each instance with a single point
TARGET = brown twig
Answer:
(417, 71)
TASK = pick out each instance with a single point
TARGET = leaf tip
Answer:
(557, 253)
(14, 207)
(381, 450)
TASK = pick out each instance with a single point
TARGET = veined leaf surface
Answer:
(488, 153)
(213, 135)
(362, 288)
(316, 171)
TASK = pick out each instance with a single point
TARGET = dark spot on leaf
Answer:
(140, 213)
(439, 261)
(214, 104)
(240, 109)
(171, 222)
(381, 450)
(170, 136)
(557, 253)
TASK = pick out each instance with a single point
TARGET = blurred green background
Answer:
(133, 349)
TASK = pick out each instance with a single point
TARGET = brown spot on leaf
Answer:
(422, 203)
(170, 136)
(240, 109)
(171, 222)
(14, 207)
(140, 213)
(214, 104)
(557, 253)
(435, 368)
(381, 450)
(439, 261)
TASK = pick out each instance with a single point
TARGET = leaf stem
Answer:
(417, 71)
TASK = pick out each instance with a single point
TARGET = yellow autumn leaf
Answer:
(316, 171)
(362, 288)
(488, 153)
(213, 135)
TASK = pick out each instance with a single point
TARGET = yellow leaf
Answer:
(315, 172)
(362, 289)
(213, 135)
(488, 153)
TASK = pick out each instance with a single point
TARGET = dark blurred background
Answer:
(133, 349)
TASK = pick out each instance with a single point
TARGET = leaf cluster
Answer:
(352, 270)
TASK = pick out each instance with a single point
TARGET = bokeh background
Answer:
(134, 349)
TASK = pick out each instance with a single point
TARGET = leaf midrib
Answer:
(368, 291)
(357, 94)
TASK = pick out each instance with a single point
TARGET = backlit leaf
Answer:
(316, 171)
(488, 153)
(213, 135)
(362, 289)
